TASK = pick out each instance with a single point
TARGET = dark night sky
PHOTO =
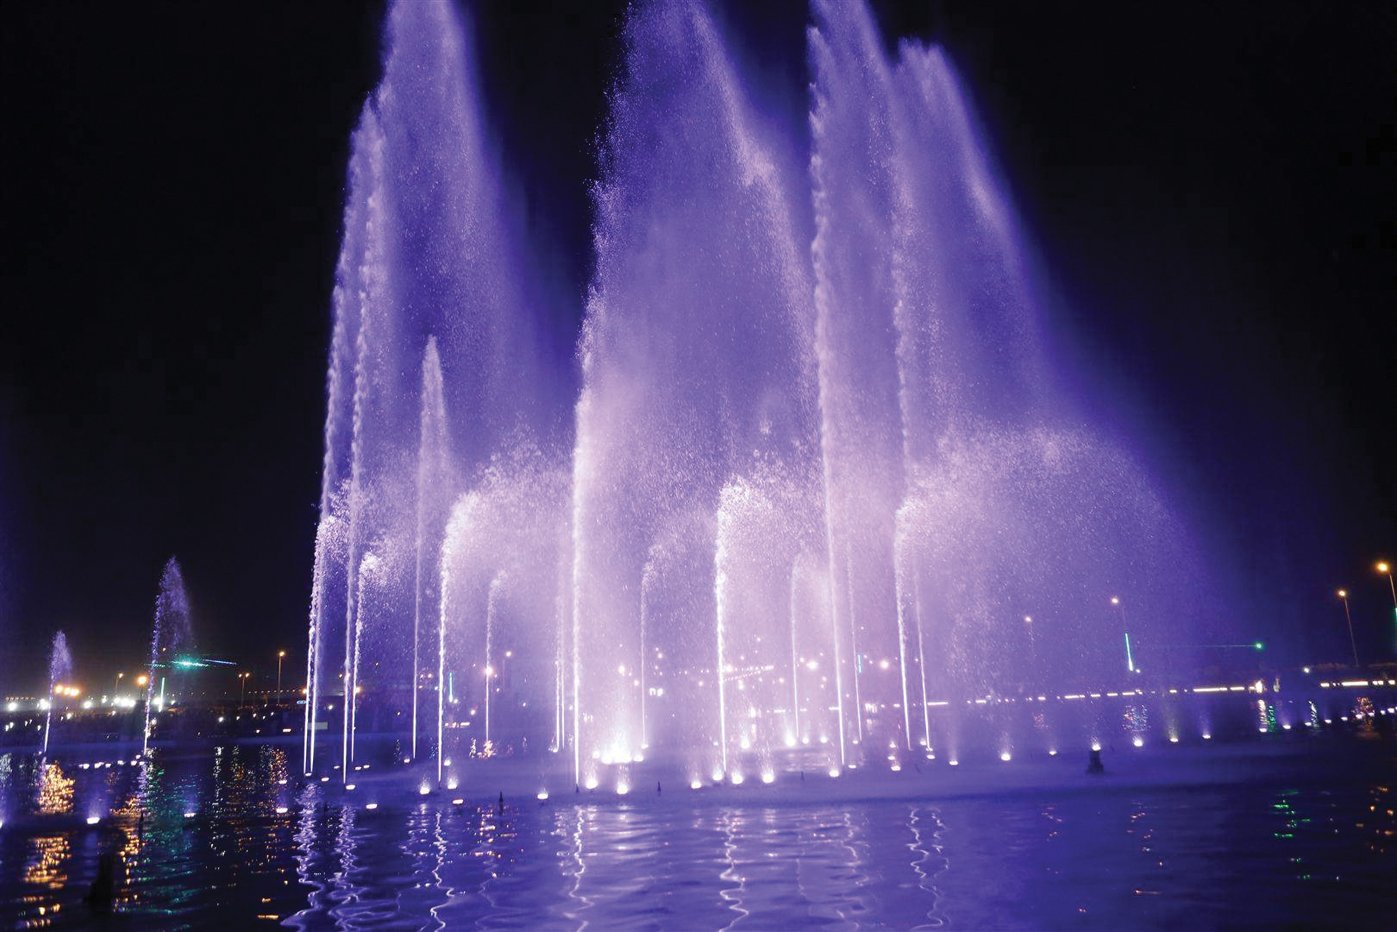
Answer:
(1210, 189)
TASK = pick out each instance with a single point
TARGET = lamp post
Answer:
(117, 687)
(1129, 658)
(489, 675)
(242, 687)
(1385, 569)
(280, 656)
(1032, 648)
(1343, 596)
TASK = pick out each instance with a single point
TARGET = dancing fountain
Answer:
(60, 669)
(170, 635)
(819, 468)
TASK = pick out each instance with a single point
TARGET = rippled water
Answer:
(1267, 851)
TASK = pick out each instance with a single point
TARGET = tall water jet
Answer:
(171, 635)
(647, 582)
(696, 339)
(60, 669)
(794, 734)
(369, 576)
(817, 435)
(434, 363)
(492, 600)
(432, 490)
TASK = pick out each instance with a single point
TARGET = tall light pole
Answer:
(1385, 569)
(489, 675)
(242, 688)
(117, 688)
(280, 656)
(1129, 658)
(1343, 596)
(1032, 648)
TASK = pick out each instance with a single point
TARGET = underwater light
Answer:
(622, 789)
(452, 783)
(424, 790)
(93, 820)
(371, 806)
(768, 777)
(592, 783)
(736, 778)
(282, 810)
(542, 794)
(1138, 741)
(349, 786)
(834, 771)
(1005, 756)
(189, 815)
(953, 762)
(1052, 752)
(457, 801)
(695, 784)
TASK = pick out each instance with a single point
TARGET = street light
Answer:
(1129, 658)
(117, 688)
(1385, 569)
(1032, 647)
(1343, 596)
(489, 674)
(242, 690)
(280, 656)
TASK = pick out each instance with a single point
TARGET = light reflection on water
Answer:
(1105, 858)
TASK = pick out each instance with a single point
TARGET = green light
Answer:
(1259, 646)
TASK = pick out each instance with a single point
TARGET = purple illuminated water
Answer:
(819, 469)
(227, 837)
(171, 635)
(60, 669)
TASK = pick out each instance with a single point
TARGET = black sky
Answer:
(1210, 190)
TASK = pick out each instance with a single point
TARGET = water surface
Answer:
(1275, 850)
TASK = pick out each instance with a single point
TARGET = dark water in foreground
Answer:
(1278, 849)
